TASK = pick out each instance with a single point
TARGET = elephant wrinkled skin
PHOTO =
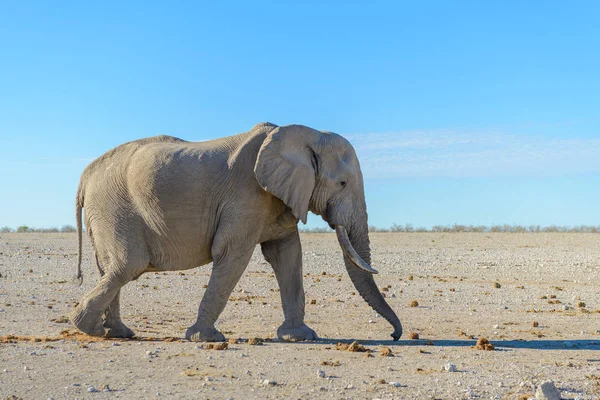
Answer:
(165, 204)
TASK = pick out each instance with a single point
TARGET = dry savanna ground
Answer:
(534, 296)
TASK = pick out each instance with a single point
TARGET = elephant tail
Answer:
(78, 207)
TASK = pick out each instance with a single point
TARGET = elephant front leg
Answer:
(285, 256)
(225, 275)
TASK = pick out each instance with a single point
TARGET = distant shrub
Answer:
(495, 228)
(68, 228)
(6, 229)
(315, 230)
(24, 228)
(46, 230)
(373, 228)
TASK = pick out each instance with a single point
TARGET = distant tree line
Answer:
(25, 228)
(473, 228)
(394, 228)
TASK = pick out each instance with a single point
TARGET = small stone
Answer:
(26, 368)
(268, 382)
(413, 303)
(496, 326)
(92, 389)
(413, 335)
(321, 373)
(547, 391)
(566, 307)
(349, 387)
(395, 384)
(535, 324)
(449, 367)
(497, 285)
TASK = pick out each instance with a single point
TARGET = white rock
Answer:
(349, 387)
(395, 384)
(496, 326)
(92, 389)
(267, 382)
(449, 367)
(547, 391)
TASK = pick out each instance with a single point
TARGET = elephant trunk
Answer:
(357, 257)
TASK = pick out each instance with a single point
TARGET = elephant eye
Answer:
(343, 184)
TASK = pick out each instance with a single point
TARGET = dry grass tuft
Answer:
(463, 334)
(255, 341)
(217, 346)
(353, 347)
(386, 352)
(484, 344)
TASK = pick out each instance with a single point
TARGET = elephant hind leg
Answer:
(115, 327)
(98, 312)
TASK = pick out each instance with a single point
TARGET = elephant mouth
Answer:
(346, 245)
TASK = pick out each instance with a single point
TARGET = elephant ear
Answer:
(284, 167)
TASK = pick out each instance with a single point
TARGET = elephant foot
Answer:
(296, 333)
(87, 323)
(196, 334)
(119, 331)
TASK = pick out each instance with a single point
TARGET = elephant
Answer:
(166, 204)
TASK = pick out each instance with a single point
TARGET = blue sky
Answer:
(461, 112)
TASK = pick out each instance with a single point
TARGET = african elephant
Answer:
(165, 204)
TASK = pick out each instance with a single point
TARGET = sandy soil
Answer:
(454, 277)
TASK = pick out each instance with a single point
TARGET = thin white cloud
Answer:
(471, 154)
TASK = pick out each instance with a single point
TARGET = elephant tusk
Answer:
(344, 240)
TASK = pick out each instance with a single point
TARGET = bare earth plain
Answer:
(551, 279)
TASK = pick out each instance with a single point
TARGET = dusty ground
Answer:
(452, 276)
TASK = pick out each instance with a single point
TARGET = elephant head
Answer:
(319, 172)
